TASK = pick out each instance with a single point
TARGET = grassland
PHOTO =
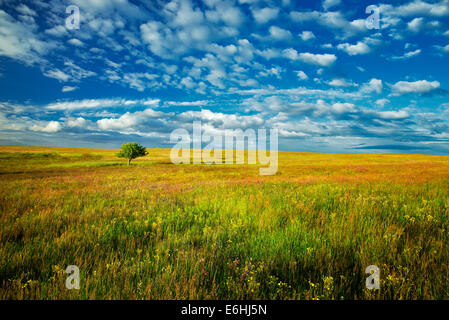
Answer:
(155, 230)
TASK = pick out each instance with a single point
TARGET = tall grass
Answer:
(159, 231)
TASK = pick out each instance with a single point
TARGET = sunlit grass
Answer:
(154, 230)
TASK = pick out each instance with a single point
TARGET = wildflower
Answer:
(328, 283)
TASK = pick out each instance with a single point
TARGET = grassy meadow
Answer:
(154, 230)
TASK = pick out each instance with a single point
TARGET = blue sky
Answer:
(137, 70)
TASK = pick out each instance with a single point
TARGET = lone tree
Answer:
(131, 151)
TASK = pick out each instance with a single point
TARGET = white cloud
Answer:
(416, 24)
(265, 14)
(382, 102)
(188, 103)
(333, 20)
(129, 120)
(187, 27)
(290, 53)
(76, 42)
(394, 115)
(76, 71)
(57, 74)
(19, 40)
(279, 33)
(225, 12)
(52, 126)
(340, 82)
(140, 81)
(98, 103)
(407, 55)
(68, 88)
(374, 85)
(330, 3)
(269, 53)
(25, 10)
(228, 121)
(354, 49)
(324, 60)
(78, 122)
(57, 31)
(181, 13)
(160, 39)
(307, 35)
(149, 102)
(420, 87)
(444, 49)
(71, 72)
(273, 71)
(109, 7)
(344, 107)
(302, 75)
(301, 92)
(417, 8)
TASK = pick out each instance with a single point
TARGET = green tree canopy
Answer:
(131, 151)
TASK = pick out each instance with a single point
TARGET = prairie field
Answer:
(155, 230)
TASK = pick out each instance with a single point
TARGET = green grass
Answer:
(154, 230)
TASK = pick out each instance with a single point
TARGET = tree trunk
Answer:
(129, 161)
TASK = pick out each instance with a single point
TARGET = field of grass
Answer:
(154, 230)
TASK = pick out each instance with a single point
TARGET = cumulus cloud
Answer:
(334, 20)
(78, 122)
(225, 12)
(374, 85)
(223, 120)
(188, 103)
(265, 14)
(273, 71)
(97, 103)
(340, 82)
(417, 8)
(25, 10)
(128, 120)
(393, 115)
(416, 24)
(187, 28)
(327, 4)
(278, 33)
(20, 40)
(290, 53)
(382, 102)
(269, 53)
(76, 42)
(51, 127)
(420, 87)
(302, 75)
(323, 60)
(107, 7)
(307, 35)
(354, 49)
(159, 38)
(344, 107)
